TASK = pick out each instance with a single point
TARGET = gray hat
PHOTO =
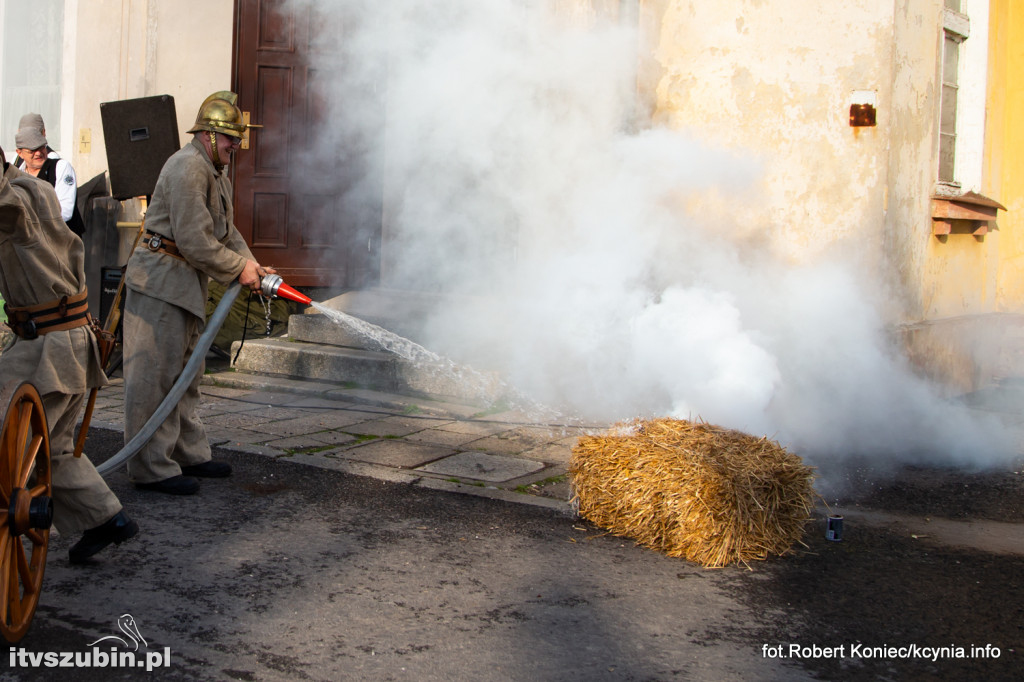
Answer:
(32, 121)
(29, 138)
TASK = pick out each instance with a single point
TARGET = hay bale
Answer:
(711, 495)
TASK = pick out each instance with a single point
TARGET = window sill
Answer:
(968, 213)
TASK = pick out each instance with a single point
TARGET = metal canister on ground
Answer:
(834, 528)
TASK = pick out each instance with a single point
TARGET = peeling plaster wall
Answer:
(913, 155)
(774, 80)
(124, 49)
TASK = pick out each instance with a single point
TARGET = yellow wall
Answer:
(1004, 147)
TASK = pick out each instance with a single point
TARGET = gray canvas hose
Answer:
(213, 325)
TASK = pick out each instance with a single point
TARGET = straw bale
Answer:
(711, 495)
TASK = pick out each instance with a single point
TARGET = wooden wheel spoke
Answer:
(29, 462)
(5, 575)
(8, 445)
(13, 585)
(24, 429)
(18, 441)
(39, 489)
(24, 570)
(31, 570)
(36, 536)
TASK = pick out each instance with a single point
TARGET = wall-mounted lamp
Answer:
(862, 108)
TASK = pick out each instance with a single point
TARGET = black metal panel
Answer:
(139, 134)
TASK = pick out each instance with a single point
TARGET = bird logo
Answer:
(126, 623)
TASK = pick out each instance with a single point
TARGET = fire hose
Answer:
(271, 285)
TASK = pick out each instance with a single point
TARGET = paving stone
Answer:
(253, 449)
(516, 417)
(236, 420)
(225, 391)
(398, 453)
(275, 413)
(108, 401)
(319, 460)
(482, 467)
(217, 436)
(102, 424)
(388, 426)
(479, 428)
(270, 397)
(221, 406)
(513, 441)
(442, 437)
(296, 443)
(333, 437)
(549, 452)
(109, 416)
(336, 419)
(326, 403)
(294, 427)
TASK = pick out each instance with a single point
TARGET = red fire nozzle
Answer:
(273, 285)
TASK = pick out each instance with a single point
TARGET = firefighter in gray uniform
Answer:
(190, 237)
(42, 280)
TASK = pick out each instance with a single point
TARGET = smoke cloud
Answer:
(513, 170)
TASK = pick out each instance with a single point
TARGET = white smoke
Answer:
(511, 169)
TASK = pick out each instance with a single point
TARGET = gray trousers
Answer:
(81, 498)
(158, 340)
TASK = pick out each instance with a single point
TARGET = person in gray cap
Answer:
(42, 281)
(39, 160)
(33, 121)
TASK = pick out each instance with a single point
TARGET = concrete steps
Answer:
(319, 349)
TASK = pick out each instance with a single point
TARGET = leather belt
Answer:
(67, 312)
(161, 244)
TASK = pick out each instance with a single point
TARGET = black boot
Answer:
(118, 529)
(175, 485)
(208, 469)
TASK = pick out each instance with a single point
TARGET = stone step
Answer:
(318, 328)
(356, 367)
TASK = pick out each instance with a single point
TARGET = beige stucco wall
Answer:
(774, 80)
(125, 49)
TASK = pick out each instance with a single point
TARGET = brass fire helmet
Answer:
(219, 114)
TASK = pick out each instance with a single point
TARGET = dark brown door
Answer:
(305, 205)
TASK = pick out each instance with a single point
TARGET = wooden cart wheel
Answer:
(25, 491)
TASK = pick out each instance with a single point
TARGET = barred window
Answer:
(956, 27)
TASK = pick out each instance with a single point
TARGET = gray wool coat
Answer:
(191, 205)
(42, 260)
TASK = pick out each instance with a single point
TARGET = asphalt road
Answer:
(288, 572)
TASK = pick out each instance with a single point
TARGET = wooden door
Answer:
(305, 206)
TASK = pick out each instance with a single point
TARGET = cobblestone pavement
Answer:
(423, 442)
